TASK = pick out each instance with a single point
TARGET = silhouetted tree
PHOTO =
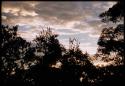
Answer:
(76, 65)
(48, 51)
(13, 50)
(111, 47)
(111, 39)
(114, 14)
(48, 44)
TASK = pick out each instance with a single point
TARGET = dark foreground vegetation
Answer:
(46, 62)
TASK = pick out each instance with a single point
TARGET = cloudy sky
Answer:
(68, 19)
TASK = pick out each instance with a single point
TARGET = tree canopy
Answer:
(112, 39)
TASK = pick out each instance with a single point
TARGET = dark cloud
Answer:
(54, 12)
(68, 11)
(58, 11)
(27, 5)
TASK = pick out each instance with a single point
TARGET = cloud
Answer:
(94, 36)
(68, 19)
(28, 13)
(4, 17)
(19, 11)
(91, 49)
(64, 11)
(28, 35)
(59, 13)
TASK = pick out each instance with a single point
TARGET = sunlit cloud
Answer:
(88, 47)
(26, 13)
(4, 17)
(94, 36)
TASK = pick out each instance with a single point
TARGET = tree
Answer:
(114, 14)
(48, 51)
(111, 39)
(111, 46)
(13, 50)
(76, 65)
(48, 44)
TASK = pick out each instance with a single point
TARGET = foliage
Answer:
(114, 14)
(48, 44)
(111, 41)
(16, 55)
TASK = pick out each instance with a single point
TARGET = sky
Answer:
(68, 19)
